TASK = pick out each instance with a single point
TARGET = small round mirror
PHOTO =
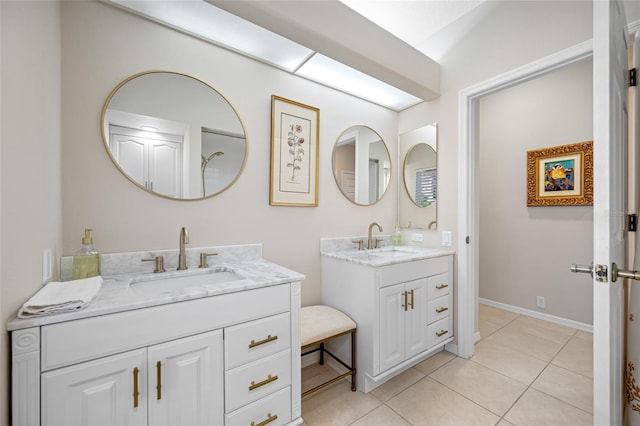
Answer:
(361, 165)
(173, 135)
(420, 174)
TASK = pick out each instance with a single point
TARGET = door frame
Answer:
(468, 167)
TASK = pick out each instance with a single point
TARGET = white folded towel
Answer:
(60, 297)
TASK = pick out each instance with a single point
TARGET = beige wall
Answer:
(30, 164)
(526, 251)
(103, 45)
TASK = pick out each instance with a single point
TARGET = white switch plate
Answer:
(47, 266)
(541, 302)
(446, 238)
(417, 237)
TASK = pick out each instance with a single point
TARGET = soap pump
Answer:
(396, 238)
(86, 261)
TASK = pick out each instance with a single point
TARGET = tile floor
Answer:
(524, 372)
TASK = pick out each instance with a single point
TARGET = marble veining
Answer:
(344, 249)
(118, 296)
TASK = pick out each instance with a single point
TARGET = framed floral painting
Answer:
(294, 153)
(560, 175)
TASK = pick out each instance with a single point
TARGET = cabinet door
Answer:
(392, 323)
(97, 392)
(185, 381)
(416, 317)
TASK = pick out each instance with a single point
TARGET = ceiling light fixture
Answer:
(214, 25)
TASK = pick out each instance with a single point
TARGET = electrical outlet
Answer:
(541, 302)
(417, 237)
(47, 266)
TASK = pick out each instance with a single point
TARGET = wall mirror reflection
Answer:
(417, 206)
(174, 135)
(361, 165)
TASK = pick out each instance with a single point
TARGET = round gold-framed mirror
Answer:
(361, 165)
(174, 135)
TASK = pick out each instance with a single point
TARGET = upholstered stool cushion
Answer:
(320, 322)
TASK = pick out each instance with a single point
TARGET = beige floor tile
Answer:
(487, 328)
(545, 329)
(537, 409)
(529, 344)
(431, 403)
(337, 405)
(567, 386)
(495, 315)
(577, 355)
(514, 364)
(316, 374)
(503, 422)
(485, 387)
(396, 385)
(436, 361)
(381, 416)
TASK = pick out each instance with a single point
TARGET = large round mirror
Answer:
(417, 207)
(361, 165)
(174, 135)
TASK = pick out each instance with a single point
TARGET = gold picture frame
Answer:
(560, 176)
(295, 140)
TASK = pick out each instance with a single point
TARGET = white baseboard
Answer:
(528, 312)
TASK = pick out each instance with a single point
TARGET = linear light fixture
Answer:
(217, 26)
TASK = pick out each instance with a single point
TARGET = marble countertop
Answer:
(117, 294)
(386, 255)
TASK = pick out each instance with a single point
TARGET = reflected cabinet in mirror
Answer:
(174, 135)
(417, 207)
(361, 165)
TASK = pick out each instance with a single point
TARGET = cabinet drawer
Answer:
(253, 381)
(439, 331)
(409, 271)
(438, 308)
(108, 334)
(276, 406)
(256, 339)
(439, 285)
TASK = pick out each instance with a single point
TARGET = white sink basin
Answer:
(161, 285)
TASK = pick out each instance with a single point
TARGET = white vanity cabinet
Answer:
(228, 359)
(403, 311)
(177, 382)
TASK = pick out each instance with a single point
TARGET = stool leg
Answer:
(353, 361)
(321, 353)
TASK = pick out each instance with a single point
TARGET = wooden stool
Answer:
(320, 324)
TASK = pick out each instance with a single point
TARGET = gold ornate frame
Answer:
(543, 189)
(295, 140)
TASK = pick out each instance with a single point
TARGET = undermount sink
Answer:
(162, 285)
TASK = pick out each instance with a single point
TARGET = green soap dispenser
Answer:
(86, 262)
(396, 238)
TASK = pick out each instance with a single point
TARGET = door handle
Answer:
(615, 273)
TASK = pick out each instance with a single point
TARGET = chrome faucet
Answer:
(370, 243)
(182, 258)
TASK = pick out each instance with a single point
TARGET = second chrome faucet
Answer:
(371, 243)
(182, 258)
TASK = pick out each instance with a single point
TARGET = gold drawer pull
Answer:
(405, 300)
(412, 299)
(269, 338)
(442, 333)
(135, 387)
(266, 421)
(441, 286)
(442, 309)
(266, 381)
(159, 380)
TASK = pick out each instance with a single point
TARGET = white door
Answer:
(610, 138)
(164, 167)
(109, 391)
(185, 384)
(632, 383)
